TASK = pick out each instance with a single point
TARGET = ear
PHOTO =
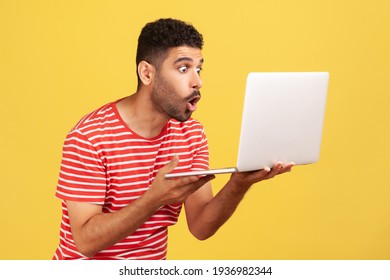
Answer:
(146, 72)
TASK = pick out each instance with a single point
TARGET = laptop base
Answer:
(202, 172)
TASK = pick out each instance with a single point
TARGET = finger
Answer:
(200, 183)
(188, 185)
(275, 170)
(203, 180)
(192, 179)
(287, 167)
(261, 173)
(257, 175)
(170, 165)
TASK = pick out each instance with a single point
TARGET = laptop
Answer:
(282, 120)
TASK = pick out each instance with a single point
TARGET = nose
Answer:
(196, 80)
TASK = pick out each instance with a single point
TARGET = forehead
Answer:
(178, 54)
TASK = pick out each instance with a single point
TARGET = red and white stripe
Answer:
(104, 162)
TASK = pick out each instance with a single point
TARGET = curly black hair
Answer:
(158, 37)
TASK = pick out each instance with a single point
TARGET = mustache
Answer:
(195, 93)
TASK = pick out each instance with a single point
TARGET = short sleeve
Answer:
(82, 173)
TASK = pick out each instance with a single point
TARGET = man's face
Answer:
(176, 86)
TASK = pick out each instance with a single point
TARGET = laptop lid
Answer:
(282, 120)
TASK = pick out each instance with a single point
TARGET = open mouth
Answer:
(192, 103)
(194, 100)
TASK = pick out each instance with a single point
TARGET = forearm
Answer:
(94, 231)
(218, 210)
(106, 229)
(208, 215)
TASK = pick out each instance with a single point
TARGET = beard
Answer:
(167, 101)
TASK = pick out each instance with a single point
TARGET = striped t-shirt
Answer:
(104, 162)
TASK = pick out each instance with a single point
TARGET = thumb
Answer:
(171, 165)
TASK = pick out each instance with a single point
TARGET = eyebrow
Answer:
(185, 58)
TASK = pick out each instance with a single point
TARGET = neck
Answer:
(138, 113)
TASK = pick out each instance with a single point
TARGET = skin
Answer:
(165, 93)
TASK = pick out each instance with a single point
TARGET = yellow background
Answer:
(61, 59)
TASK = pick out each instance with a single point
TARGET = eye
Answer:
(199, 69)
(183, 69)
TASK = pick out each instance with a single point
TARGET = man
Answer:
(116, 202)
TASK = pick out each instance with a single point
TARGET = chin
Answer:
(180, 116)
(183, 118)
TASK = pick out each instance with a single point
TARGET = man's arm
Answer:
(94, 230)
(206, 214)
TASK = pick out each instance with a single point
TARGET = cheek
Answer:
(182, 88)
(175, 87)
(177, 90)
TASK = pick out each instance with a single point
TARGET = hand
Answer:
(246, 179)
(170, 191)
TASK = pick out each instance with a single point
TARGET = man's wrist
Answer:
(237, 188)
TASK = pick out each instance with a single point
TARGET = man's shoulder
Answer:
(99, 117)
